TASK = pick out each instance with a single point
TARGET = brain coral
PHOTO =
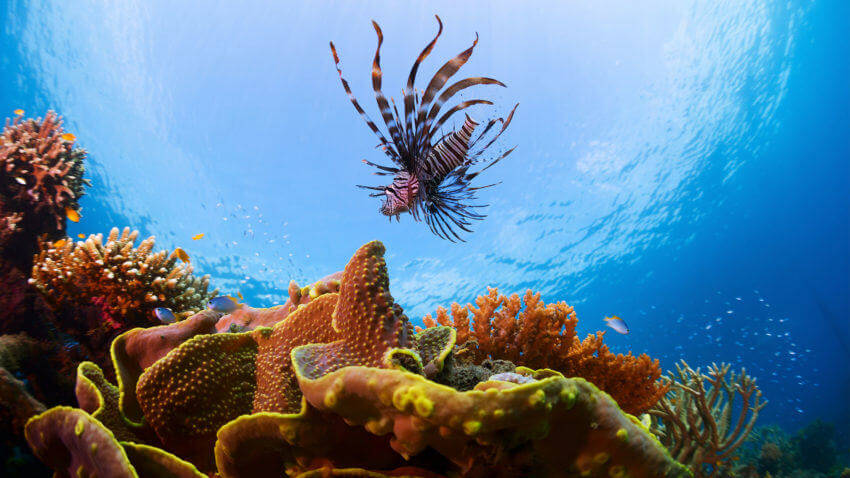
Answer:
(336, 388)
(542, 335)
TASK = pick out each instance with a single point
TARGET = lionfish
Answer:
(431, 177)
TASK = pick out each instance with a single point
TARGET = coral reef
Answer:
(810, 452)
(339, 387)
(41, 178)
(247, 318)
(814, 447)
(41, 181)
(124, 281)
(99, 289)
(695, 419)
(542, 335)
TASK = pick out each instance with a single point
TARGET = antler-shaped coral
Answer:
(696, 415)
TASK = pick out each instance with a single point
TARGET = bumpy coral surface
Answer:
(126, 283)
(339, 387)
(542, 335)
(41, 177)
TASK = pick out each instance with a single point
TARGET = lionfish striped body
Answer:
(431, 176)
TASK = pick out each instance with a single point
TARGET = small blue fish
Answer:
(165, 315)
(617, 324)
(223, 304)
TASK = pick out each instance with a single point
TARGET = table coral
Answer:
(542, 335)
(694, 420)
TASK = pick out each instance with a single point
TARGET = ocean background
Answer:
(681, 164)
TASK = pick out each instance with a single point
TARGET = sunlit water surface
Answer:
(683, 165)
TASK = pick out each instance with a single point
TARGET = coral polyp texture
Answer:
(542, 335)
(41, 178)
(123, 282)
(338, 386)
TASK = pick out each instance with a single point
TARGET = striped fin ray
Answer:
(505, 123)
(436, 84)
(383, 104)
(454, 89)
(448, 114)
(388, 147)
(410, 96)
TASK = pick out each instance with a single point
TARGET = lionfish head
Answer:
(401, 195)
(392, 206)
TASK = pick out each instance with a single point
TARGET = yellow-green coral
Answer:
(562, 425)
(198, 387)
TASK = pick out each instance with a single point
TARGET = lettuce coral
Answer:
(338, 387)
(544, 336)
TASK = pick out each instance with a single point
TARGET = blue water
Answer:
(683, 165)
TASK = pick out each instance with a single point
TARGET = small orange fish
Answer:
(59, 243)
(240, 295)
(69, 137)
(81, 235)
(19, 112)
(198, 236)
(181, 254)
(72, 214)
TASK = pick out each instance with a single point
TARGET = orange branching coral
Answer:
(543, 336)
(125, 281)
